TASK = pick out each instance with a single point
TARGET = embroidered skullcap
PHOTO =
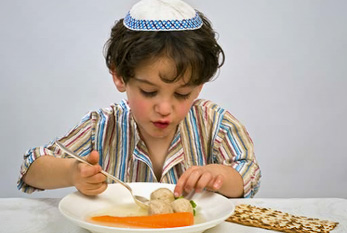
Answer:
(162, 15)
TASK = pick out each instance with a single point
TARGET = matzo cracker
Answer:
(279, 221)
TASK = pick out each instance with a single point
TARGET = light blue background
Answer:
(285, 79)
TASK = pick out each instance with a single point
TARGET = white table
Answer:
(42, 215)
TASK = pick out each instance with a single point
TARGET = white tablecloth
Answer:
(42, 215)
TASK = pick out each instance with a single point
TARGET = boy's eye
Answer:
(148, 93)
(182, 96)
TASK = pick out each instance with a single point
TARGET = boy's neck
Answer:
(158, 150)
(157, 154)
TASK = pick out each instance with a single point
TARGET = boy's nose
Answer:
(163, 107)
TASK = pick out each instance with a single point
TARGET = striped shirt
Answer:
(208, 134)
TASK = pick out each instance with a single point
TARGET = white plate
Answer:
(212, 207)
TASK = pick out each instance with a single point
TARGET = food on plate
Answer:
(159, 207)
(181, 219)
(164, 194)
(163, 201)
(182, 205)
(164, 211)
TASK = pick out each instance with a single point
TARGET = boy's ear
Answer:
(118, 81)
(199, 90)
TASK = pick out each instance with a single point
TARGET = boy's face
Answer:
(158, 107)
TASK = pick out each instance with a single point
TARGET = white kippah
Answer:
(162, 15)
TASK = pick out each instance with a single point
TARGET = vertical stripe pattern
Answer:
(208, 134)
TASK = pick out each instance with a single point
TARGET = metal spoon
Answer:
(139, 200)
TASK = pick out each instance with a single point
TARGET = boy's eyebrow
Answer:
(153, 84)
(144, 81)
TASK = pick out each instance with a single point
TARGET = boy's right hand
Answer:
(88, 179)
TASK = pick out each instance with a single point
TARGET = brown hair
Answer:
(194, 50)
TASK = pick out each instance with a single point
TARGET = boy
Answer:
(160, 54)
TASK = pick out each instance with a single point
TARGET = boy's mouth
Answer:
(160, 124)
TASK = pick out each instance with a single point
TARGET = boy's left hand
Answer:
(198, 178)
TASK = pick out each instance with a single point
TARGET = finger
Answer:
(204, 181)
(85, 185)
(217, 183)
(178, 191)
(192, 180)
(95, 189)
(88, 171)
(93, 186)
(97, 178)
(93, 157)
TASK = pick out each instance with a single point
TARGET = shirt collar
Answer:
(175, 152)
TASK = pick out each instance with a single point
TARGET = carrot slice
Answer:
(180, 219)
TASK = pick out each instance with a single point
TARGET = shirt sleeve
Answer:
(79, 139)
(233, 147)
